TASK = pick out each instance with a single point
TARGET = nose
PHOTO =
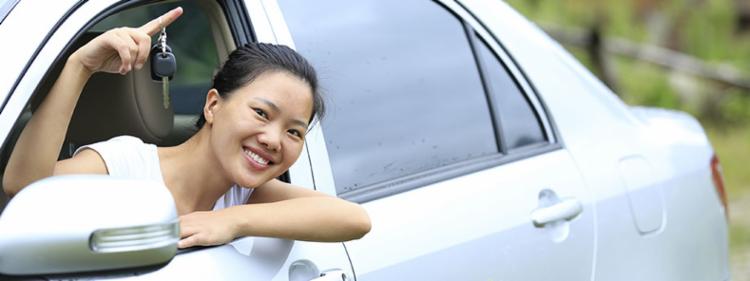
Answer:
(270, 139)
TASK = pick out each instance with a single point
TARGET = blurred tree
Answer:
(742, 21)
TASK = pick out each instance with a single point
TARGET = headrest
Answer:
(114, 104)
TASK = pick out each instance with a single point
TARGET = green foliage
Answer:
(732, 145)
(646, 85)
(735, 108)
(701, 28)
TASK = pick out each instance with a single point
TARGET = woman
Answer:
(252, 130)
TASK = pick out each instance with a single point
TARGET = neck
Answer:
(192, 174)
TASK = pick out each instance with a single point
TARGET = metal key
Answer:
(163, 64)
(165, 91)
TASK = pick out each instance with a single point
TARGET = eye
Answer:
(295, 133)
(261, 113)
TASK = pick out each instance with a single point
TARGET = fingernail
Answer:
(138, 66)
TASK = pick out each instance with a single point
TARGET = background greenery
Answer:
(715, 31)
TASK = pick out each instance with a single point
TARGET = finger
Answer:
(143, 43)
(123, 52)
(131, 45)
(186, 230)
(164, 20)
(188, 242)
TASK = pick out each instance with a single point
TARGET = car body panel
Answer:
(26, 33)
(249, 258)
(22, 54)
(600, 131)
(478, 227)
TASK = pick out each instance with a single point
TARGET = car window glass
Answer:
(192, 43)
(520, 125)
(405, 95)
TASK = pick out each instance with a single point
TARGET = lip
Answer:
(260, 153)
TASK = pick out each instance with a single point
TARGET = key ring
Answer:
(163, 40)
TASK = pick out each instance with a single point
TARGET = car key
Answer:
(163, 64)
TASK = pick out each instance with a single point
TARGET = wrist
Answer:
(75, 64)
(234, 222)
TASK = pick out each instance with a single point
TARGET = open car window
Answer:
(198, 39)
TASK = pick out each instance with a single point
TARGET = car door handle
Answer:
(566, 209)
(332, 275)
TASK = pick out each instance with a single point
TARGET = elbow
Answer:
(360, 224)
(10, 186)
(363, 228)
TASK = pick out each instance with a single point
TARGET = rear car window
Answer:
(519, 123)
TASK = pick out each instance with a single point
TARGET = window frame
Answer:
(83, 16)
(104, 10)
(6, 7)
(514, 70)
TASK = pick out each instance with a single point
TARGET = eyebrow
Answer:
(276, 109)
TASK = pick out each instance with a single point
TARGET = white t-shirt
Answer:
(129, 157)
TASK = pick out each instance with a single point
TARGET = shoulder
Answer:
(119, 156)
(84, 161)
(131, 140)
(116, 143)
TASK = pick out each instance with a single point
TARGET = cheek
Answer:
(237, 124)
(292, 150)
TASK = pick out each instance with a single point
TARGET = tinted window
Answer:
(520, 125)
(403, 87)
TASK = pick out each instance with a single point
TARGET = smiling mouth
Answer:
(257, 158)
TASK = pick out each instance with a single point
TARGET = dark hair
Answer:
(251, 60)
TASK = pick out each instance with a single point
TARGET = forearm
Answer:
(324, 219)
(36, 151)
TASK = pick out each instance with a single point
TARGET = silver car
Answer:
(480, 148)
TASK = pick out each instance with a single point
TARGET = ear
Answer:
(213, 102)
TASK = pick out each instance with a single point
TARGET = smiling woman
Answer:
(252, 129)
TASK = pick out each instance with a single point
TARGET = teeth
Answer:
(256, 157)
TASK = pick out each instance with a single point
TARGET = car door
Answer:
(434, 130)
(228, 23)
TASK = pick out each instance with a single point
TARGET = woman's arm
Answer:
(280, 210)
(35, 153)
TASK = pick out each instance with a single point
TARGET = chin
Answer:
(253, 181)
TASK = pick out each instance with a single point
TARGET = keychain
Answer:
(163, 64)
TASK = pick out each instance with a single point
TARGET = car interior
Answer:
(132, 104)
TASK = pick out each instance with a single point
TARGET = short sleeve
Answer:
(129, 157)
(236, 195)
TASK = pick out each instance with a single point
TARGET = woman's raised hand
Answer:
(121, 49)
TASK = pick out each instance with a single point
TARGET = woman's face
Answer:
(258, 131)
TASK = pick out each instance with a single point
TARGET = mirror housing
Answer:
(85, 223)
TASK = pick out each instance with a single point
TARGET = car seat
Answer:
(113, 104)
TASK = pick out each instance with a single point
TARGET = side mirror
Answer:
(85, 223)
